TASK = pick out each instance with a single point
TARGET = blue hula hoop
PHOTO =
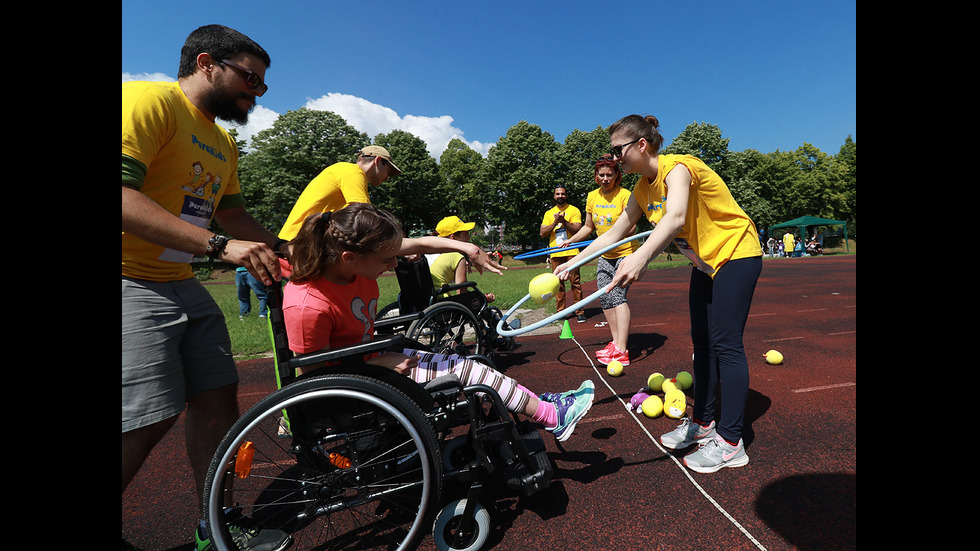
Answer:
(542, 252)
(537, 325)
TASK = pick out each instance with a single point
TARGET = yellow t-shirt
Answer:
(339, 185)
(191, 166)
(559, 235)
(788, 241)
(716, 229)
(443, 270)
(605, 210)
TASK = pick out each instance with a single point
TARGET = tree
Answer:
(414, 195)
(576, 159)
(462, 185)
(521, 173)
(285, 157)
(703, 141)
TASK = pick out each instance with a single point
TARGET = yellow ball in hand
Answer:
(652, 406)
(614, 368)
(543, 287)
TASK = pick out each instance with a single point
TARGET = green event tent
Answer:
(804, 221)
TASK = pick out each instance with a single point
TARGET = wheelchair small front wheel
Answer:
(447, 533)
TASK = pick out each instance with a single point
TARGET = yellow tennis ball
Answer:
(654, 381)
(675, 404)
(543, 287)
(614, 368)
(652, 406)
(669, 384)
(773, 357)
(684, 380)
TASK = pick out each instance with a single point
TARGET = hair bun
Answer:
(653, 121)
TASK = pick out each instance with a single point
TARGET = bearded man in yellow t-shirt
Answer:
(180, 170)
(559, 224)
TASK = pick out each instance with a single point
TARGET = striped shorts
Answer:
(470, 372)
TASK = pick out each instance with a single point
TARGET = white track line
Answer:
(677, 462)
(824, 387)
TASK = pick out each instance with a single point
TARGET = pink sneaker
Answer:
(622, 356)
(599, 354)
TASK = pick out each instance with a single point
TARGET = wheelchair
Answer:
(355, 456)
(463, 324)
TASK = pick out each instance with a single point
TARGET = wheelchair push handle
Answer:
(558, 315)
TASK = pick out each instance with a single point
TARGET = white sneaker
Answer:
(715, 455)
(687, 434)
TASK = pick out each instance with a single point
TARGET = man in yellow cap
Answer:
(339, 185)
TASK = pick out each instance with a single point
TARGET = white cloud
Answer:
(374, 119)
(147, 76)
(367, 117)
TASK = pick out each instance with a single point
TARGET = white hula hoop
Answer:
(537, 325)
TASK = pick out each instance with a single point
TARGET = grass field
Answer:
(250, 336)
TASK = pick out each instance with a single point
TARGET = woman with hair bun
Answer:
(689, 204)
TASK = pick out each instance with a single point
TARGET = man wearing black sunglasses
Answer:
(180, 171)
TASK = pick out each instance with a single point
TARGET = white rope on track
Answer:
(682, 468)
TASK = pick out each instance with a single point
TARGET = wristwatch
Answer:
(279, 243)
(216, 246)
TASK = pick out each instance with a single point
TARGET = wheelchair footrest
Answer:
(529, 478)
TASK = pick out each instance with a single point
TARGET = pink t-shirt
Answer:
(320, 314)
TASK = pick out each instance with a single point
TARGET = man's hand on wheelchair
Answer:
(395, 361)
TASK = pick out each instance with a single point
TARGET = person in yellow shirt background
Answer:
(690, 205)
(788, 243)
(451, 267)
(603, 207)
(341, 184)
(559, 224)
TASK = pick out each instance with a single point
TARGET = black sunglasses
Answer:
(252, 80)
(617, 150)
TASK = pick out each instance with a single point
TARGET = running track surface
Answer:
(615, 487)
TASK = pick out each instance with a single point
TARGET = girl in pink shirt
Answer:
(332, 297)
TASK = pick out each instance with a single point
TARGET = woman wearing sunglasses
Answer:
(689, 204)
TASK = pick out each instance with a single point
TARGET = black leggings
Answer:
(719, 308)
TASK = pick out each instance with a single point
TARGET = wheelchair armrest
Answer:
(454, 286)
(354, 351)
(389, 325)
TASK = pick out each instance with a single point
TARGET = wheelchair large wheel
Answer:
(358, 467)
(449, 328)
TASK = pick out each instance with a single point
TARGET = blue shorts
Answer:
(175, 344)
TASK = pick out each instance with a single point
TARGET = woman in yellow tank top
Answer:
(689, 204)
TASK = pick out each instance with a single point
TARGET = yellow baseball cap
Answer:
(452, 224)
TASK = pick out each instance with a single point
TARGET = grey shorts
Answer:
(605, 270)
(174, 345)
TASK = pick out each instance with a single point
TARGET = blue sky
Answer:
(770, 74)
